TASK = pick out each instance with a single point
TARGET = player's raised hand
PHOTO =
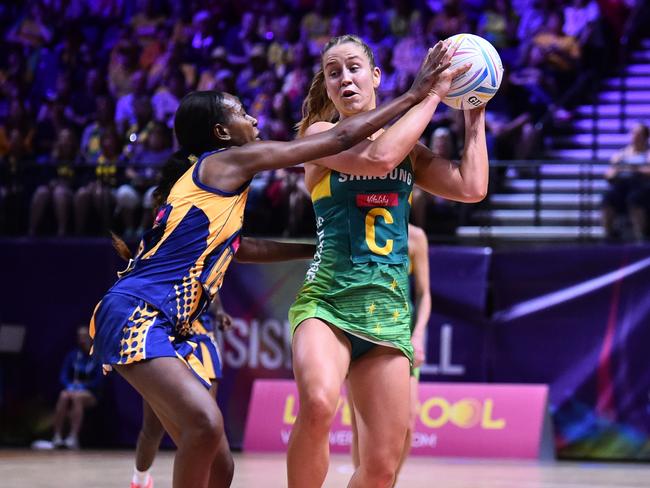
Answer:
(442, 82)
(435, 62)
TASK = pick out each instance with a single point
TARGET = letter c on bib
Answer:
(371, 217)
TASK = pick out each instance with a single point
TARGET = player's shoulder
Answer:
(317, 127)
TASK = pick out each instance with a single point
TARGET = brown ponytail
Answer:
(120, 246)
(317, 106)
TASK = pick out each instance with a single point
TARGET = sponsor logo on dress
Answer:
(377, 200)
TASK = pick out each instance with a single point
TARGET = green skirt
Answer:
(370, 301)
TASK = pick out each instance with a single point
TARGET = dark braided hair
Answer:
(194, 123)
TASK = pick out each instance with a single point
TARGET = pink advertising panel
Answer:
(455, 419)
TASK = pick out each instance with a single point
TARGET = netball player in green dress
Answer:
(352, 316)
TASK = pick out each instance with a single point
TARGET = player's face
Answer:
(241, 127)
(349, 79)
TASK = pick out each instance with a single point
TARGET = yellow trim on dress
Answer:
(323, 188)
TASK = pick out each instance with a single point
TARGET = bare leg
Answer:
(61, 413)
(608, 219)
(380, 384)
(82, 202)
(639, 222)
(321, 355)
(354, 448)
(40, 201)
(80, 401)
(413, 414)
(223, 467)
(104, 202)
(186, 410)
(151, 433)
(62, 207)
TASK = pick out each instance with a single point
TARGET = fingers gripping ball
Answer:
(481, 82)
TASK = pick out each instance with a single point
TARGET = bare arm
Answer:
(229, 170)
(419, 255)
(466, 182)
(380, 156)
(221, 317)
(383, 154)
(268, 251)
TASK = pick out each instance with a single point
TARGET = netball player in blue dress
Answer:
(140, 324)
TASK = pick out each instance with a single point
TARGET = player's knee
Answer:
(64, 396)
(379, 476)
(317, 408)
(204, 429)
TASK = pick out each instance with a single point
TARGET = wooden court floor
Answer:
(104, 469)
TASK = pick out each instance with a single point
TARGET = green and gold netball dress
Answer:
(358, 279)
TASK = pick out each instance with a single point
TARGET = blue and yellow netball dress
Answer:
(149, 311)
(358, 279)
(207, 350)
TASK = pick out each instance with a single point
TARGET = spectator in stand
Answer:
(167, 98)
(85, 103)
(57, 193)
(532, 18)
(51, 120)
(207, 78)
(96, 196)
(449, 21)
(203, 40)
(262, 106)
(629, 187)
(399, 17)
(91, 137)
(498, 25)
(174, 57)
(81, 377)
(142, 177)
(410, 50)
(579, 17)
(137, 133)
(13, 194)
(31, 30)
(18, 118)
(375, 32)
(125, 109)
(241, 39)
(249, 81)
(280, 121)
(279, 49)
(122, 65)
(296, 82)
(558, 55)
(145, 23)
(314, 27)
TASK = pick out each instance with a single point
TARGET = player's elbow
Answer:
(382, 160)
(380, 164)
(473, 195)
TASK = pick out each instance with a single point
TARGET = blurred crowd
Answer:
(88, 91)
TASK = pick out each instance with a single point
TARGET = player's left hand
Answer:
(418, 351)
(224, 321)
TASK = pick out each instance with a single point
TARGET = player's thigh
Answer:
(321, 356)
(380, 385)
